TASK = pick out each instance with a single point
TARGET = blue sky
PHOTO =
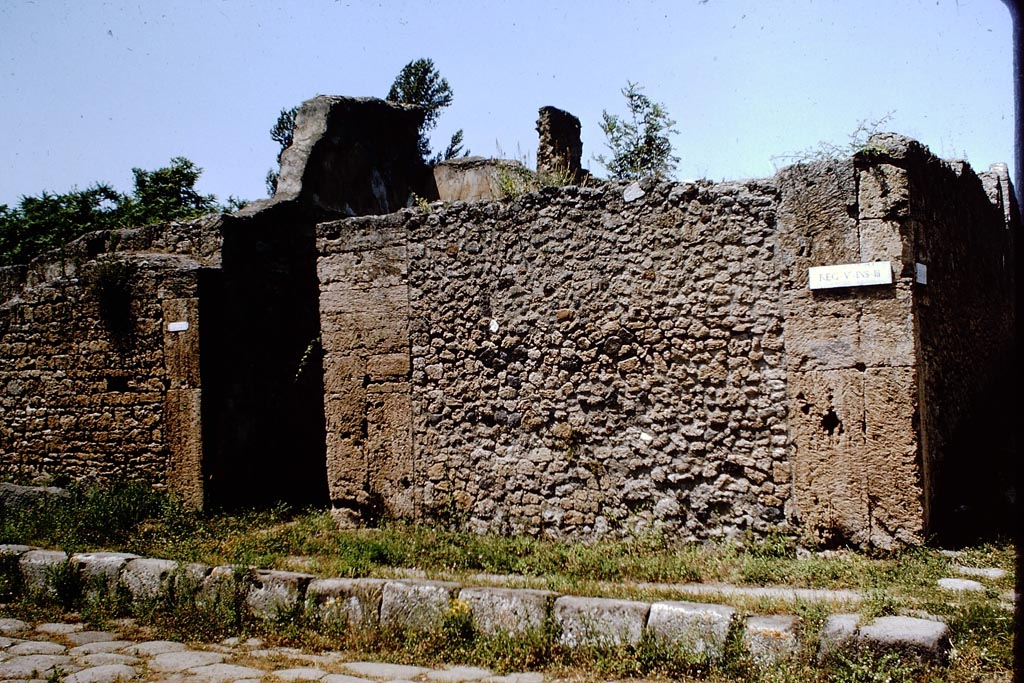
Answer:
(91, 89)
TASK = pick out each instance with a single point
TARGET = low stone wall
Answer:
(336, 605)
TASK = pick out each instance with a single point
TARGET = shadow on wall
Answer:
(262, 403)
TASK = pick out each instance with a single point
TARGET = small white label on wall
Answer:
(177, 326)
(921, 273)
(850, 275)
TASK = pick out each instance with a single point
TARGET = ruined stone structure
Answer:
(570, 362)
(560, 152)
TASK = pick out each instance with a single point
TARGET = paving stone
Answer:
(102, 674)
(100, 646)
(107, 658)
(85, 637)
(383, 670)
(925, 637)
(416, 605)
(960, 585)
(150, 648)
(324, 659)
(9, 626)
(171, 662)
(600, 621)
(456, 674)
(694, 627)
(714, 590)
(277, 652)
(60, 628)
(770, 639)
(6, 642)
(838, 631)
(524, 677)
(30, 665)
(300, 674)
(983, 572)
(342, 678)
(15, 549)
(218, 673)
(36, 647)
(507, 610)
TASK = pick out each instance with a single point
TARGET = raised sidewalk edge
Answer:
(421, 604)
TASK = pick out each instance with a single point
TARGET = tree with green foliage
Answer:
(283, 132)
(166, 194)
(420, 83)
(639, 144)
(38, 224)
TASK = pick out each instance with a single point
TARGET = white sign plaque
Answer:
(921, 273)
(177, 326)
(850, 275)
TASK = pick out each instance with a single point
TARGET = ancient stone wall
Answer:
(99, 360)
(964, 305)
(571, 362)
(893, 387)
(850, 360)
(583, 361)
(234, 417)
(568, 363)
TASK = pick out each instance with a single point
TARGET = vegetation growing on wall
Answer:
(856, 143)
(639, 142)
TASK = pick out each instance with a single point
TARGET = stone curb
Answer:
(423, 605)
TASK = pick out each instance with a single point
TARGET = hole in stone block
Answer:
(831, 423)
(117, 384)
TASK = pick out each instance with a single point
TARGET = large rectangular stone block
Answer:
(148, 579)
(771, 639)
(600, 622)
(273, 594)
(416, 605)
(696, 628)
(38, 568)
(506, 610)
(338, 603)
(101, 572)
(923, 638)
(184, 434)
(883, 191)
(892, 458)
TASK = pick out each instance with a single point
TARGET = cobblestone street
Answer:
(69, 653)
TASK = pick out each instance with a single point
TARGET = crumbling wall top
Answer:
(352, 156)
